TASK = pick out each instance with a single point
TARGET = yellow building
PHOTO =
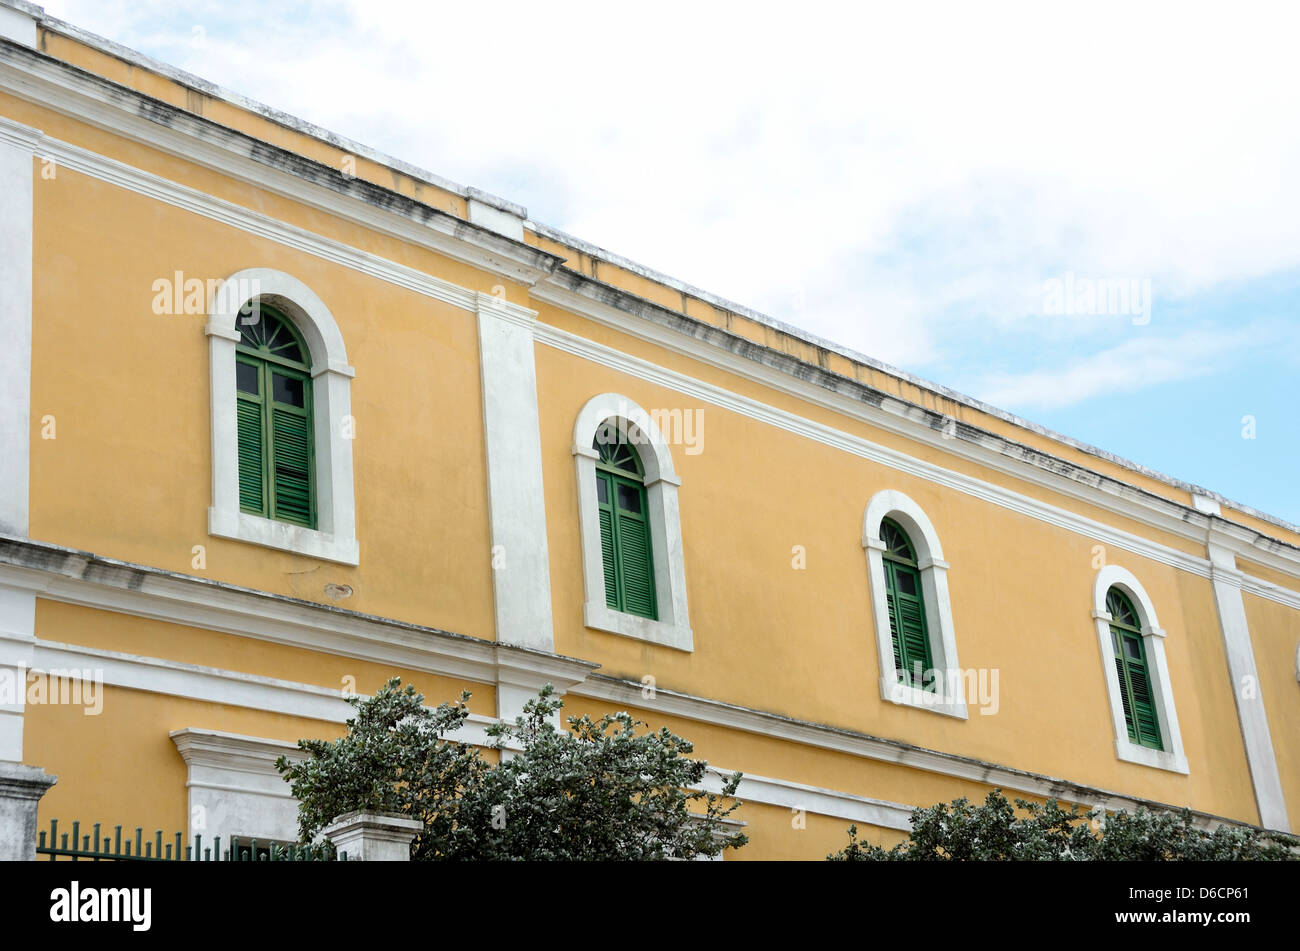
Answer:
(452, 444)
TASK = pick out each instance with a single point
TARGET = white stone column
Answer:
(511, 432)
(17, 608)
(17, 149)
(1246, 688)
(21, 789)
(374, 836)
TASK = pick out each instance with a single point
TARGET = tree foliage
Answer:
(599, 790)
(959, 831)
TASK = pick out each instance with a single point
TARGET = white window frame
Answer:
(1153, 641)
(948, 697)
(673, 628)
(335, 537)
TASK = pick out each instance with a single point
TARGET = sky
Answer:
(1085, 214)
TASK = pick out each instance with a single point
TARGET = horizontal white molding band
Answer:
(196, 202)
(777, 727)
(76, 578)
(812, 799)
(214, 685)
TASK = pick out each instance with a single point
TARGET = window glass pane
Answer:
(629, 499)
(906, 582)
(602, 491)
(1133, 648)
(246, 378)
(286, 389)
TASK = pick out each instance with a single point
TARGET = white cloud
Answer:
(1130, 367)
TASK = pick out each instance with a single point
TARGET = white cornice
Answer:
(72, 577)
(57, 85)
(775, 726)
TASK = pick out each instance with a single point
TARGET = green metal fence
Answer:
(97, 847)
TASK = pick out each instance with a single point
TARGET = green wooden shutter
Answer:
(1144, 710)
(607, 553)
(637, 566)
(274, 415)
(1124, 699)
(892, 603)
(908, 632)
(1133, 673)
(625, 549)
(292, 445)
(252, 497)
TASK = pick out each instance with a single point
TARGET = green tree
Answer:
(393, 759)
(599, 790)
(959, 831)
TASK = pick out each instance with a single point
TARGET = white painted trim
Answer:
(774, 726)
(18, 25)
(1162, 692)
(335, 539)
(672, 628)
(216, 685)
(1247, 690)
(75, 578)
(494, 219)
(890, 503)
(17, 145)
(17, 643)
(521, 564)
(814, 799)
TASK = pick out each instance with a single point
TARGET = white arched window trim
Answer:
(949, 695)
(673, 628)
(1153, 638)
(335, 537)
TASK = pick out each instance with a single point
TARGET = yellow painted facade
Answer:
(109, 555)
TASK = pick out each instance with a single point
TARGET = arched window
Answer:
(1132, 670)
(273, 383)
(625, 547)
(1136, 673)
(906, 602)
(282, 426)
(633, 568)
(908, 578)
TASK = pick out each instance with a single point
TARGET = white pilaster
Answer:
(17, 644)
(17, 147)
(18, 21)
(511, 432)
(1246, 688)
